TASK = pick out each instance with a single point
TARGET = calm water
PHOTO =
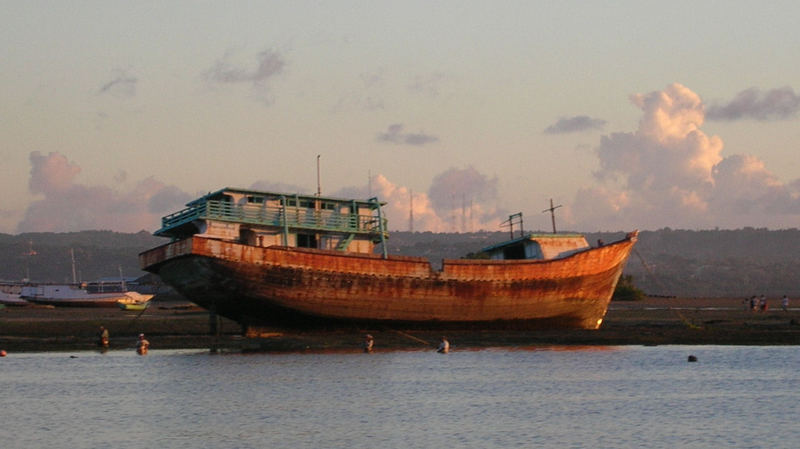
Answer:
(613, 397)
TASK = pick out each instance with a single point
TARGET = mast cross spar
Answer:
(552, 211)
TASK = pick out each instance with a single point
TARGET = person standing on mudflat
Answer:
(102, 337)
(142, 346)
(444, 346)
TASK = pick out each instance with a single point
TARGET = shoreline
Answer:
(175, 325)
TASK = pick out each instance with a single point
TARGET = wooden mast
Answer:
(552, 210)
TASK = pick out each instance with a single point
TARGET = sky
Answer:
(629, 114)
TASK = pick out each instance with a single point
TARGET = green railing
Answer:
(292, 217)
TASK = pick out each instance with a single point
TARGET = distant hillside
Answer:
(734, 263)
(667, 262)
(97, 254)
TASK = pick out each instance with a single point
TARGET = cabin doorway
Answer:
(514, 252)
(307, 241)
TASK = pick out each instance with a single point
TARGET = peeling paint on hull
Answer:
(313, 288)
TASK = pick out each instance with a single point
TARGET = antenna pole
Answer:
(319, 183)
(317, 205)
(122, 279)
(510, 223)
(72, 254)
(411, 211)
(30, 254)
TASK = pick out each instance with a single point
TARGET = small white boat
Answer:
(93, 294)
(12, 299)
(135, 301)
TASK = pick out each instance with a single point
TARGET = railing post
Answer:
(380, 226)
(285, 222)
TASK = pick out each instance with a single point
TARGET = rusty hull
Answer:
(283, 286)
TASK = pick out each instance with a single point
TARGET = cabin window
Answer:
(514, 252)
(253, 199)
(309, 204)
(306, 241)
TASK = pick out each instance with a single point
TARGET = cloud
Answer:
(429, 85)
(394, 134)
(269, 63)
(453, 209)
(166, 199)
(458, 182)
(669, 173)
(574, 124)
(66, 205)
(459, 200)
(458, 193)
(399, 203)
(775, 104)
(746, 188)
(121, 85)
(51, 174)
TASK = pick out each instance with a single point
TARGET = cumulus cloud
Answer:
(66, 205)
(461, 182)
(670, 173)
(51, 174)
(464, 194)
(775, 104)
(745, 187)
(399, 203)
(269, 63)
(164, 199)
(395, 134)
(459, 200)
(574, 124)
(122, 85)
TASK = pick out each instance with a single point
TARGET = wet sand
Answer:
(654, 321)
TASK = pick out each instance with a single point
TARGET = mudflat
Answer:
(175, 325)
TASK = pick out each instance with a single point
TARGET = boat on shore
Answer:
(91, 294)
(135, 304)
(10, 296)
(286, 260)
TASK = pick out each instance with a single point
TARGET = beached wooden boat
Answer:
(264, 258)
